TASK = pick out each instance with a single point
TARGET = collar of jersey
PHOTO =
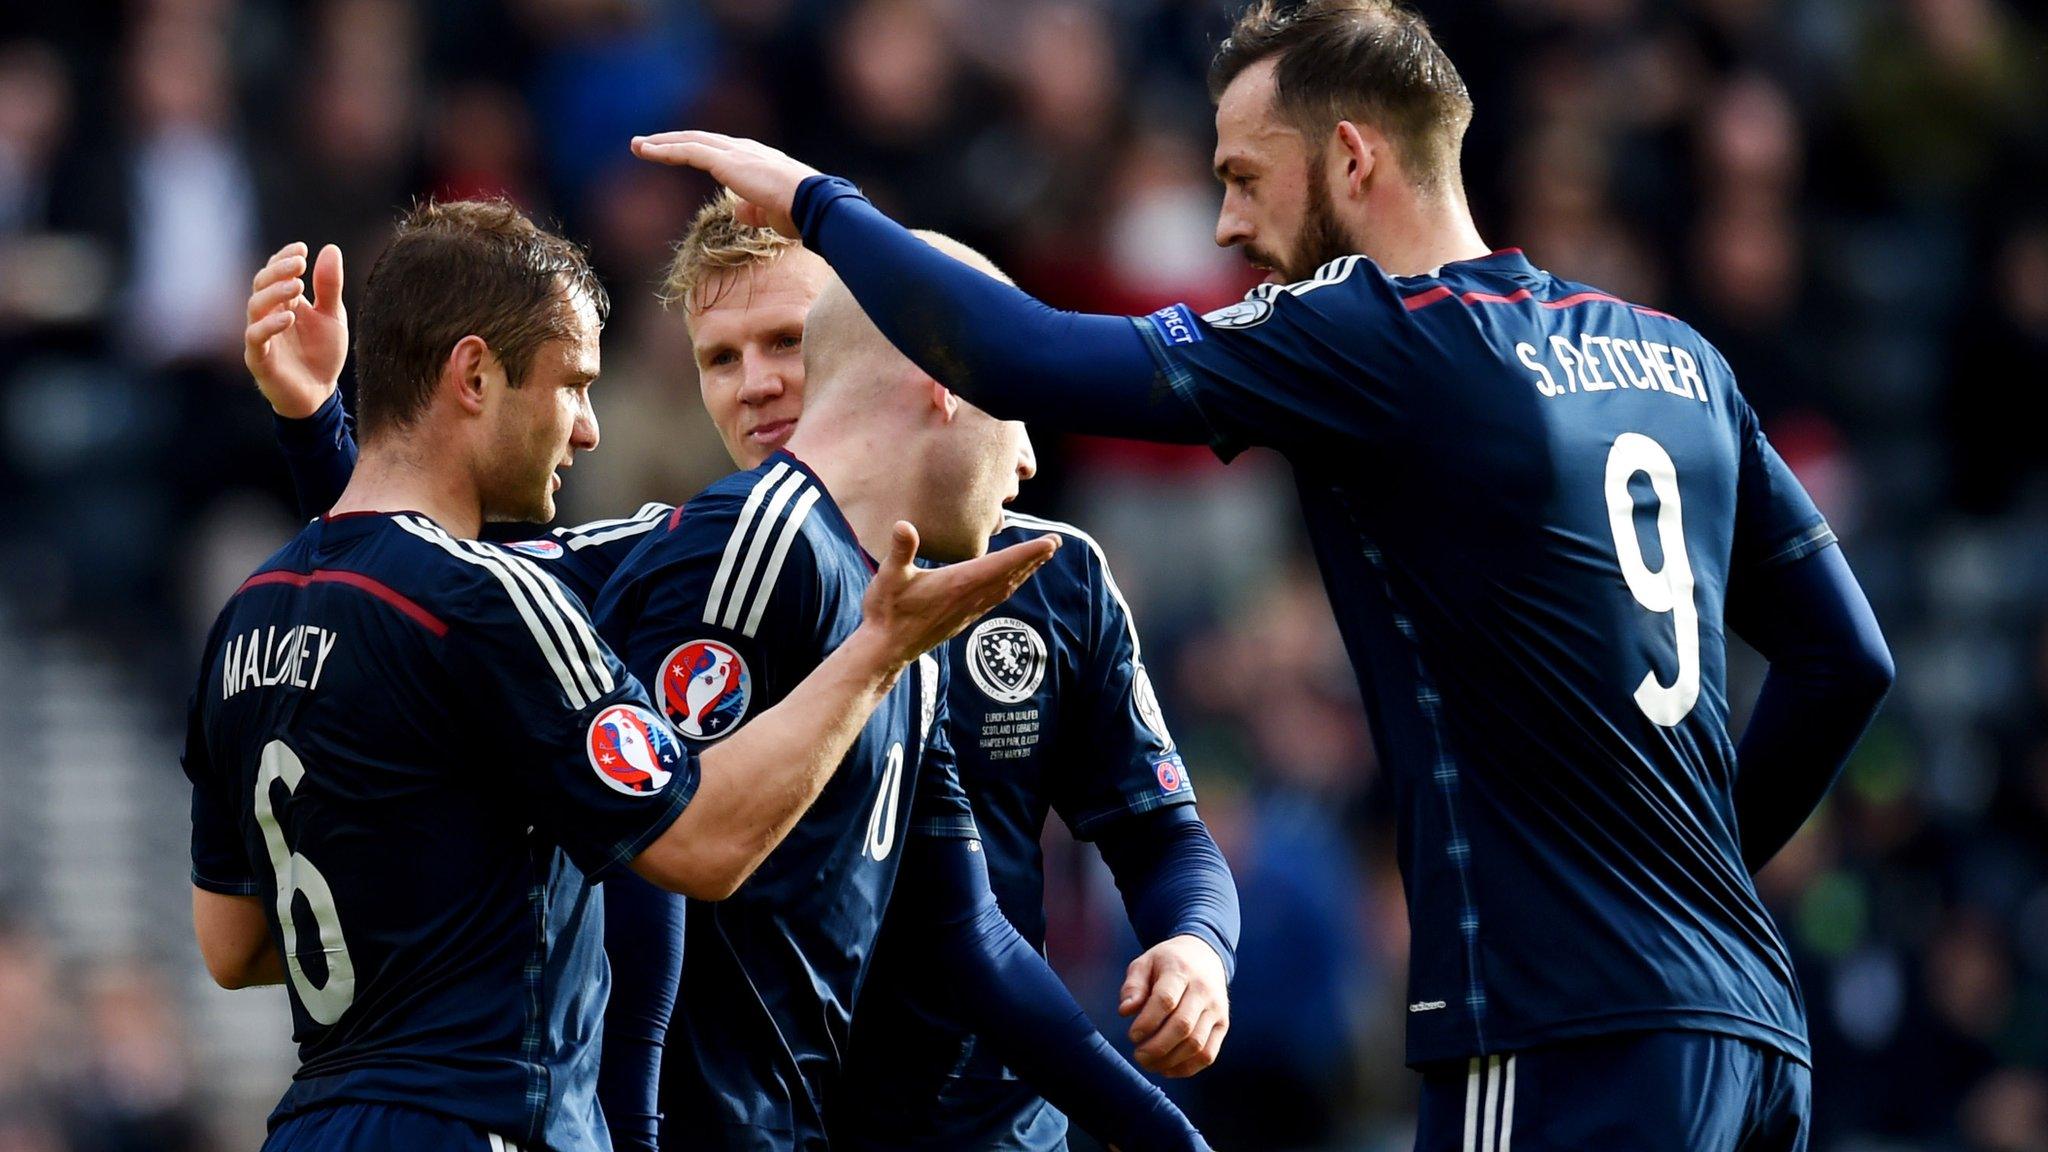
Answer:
(365, 513)
(1508, 260)
(825, 498)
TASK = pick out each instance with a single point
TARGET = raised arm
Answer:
(319, 452)
(1830, 669)
(295, 346)
(993, 344)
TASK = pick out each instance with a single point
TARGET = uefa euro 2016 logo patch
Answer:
(1172, 774)
(632, 751)
(705, 689)
(545, 549)
(1006, 659)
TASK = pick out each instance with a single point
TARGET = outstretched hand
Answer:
(295, 347)
(914, 610)
(763, 177)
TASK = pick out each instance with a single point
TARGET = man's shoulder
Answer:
(1080, 558)
(403, 559)
(1073, 602)
(462, 589)
(1077, 579)
(749, 538)
(759, 504)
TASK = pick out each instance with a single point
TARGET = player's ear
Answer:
(944, 400)
(1356, 155)
(464, 372)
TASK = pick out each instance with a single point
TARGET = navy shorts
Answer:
(1631, 1092)
(382, 1128)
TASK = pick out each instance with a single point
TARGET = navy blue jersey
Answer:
(725, 608)
(1528, 499)
(584, 556)
(1049, 709)
(415, 750)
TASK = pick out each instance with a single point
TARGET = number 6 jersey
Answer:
(1529, 500)
(415, 751)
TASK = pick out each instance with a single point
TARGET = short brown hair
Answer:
(463, 268)
(716, 243)
(1372, 61)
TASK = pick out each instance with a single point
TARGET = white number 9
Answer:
(296, 874)
(1671, 588)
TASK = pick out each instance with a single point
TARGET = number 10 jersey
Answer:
(724, 610)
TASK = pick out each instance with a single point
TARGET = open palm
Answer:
(295, 346)
(919, 609)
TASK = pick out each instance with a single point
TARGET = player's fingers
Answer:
(1177, 1030)
(1190, 1060)
(274, 296)
(902, 545)
(296, 246)
(1137, 982)
(689, 136)
(288, 265)
(993, 578)
(262, 330)
(1167, 991)
(327, 281)
(1199, 1050)
(276, 270)
(700, 156)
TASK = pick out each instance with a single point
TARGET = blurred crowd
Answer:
(1849, 197)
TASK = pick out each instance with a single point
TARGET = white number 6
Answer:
(296, 874)
(1667, 590)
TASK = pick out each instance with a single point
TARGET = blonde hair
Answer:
(716, 245)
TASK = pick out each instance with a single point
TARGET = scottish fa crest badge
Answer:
(1006, 659)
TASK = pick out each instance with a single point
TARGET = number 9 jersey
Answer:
(415, 751)
(1530, 500)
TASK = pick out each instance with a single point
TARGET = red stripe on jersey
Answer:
(1425, 299)
(1515, 297)
(356, 580)
(675, 518)
(1584, 298)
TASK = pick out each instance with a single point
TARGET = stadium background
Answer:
(1846, 195)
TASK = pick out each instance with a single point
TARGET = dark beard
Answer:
(1322, 238)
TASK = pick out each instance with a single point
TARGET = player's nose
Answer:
(760, 380)
(1231, 225)
(583, 434)
(1027, 457)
